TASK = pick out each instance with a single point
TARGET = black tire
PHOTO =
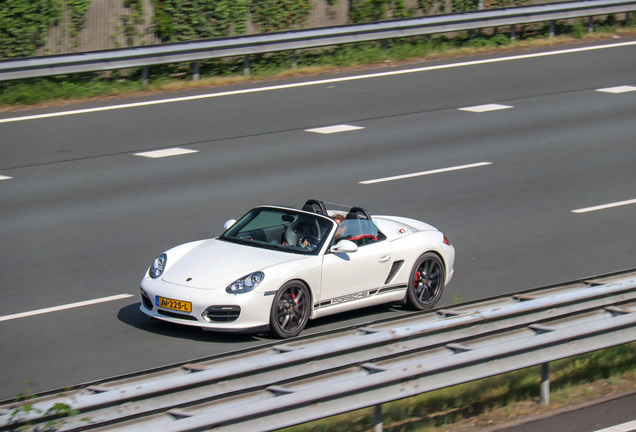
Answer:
(426, 282)
(290, 310)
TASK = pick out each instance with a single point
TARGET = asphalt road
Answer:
(82, 215)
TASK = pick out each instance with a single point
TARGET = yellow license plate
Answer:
(178, 305)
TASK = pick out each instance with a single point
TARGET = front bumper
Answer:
(211, 309)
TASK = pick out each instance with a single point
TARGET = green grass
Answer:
(17, 93)
(500, 397)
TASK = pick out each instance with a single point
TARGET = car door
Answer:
(347, 277)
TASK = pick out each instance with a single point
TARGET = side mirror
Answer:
(229, 223)
(344, 246)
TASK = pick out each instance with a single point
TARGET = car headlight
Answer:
(245, 284)
(157, 267)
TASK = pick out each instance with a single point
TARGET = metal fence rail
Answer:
(300, 39)
(292, 382)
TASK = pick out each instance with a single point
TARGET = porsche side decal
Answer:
(358, 296)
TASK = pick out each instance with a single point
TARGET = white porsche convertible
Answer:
(277, 267)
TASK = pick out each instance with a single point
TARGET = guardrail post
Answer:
(294, 59)
(246, 65)
(551, 29)
(545, 384)
(144, 76)
(513, 29)
(377, 419)
(628, 16)
(195, 71)
(590, 24)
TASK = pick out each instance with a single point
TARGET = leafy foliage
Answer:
(77, 10)
(177, 20)
(24, 25)
(132, 20)
(277, 15)
(377, 10)
(26, 407)
(473, 5)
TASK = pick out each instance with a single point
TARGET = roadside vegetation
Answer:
(72, 88)
(493, 401)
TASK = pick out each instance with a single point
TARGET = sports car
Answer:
(278, 267)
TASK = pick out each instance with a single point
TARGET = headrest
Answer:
(315, 206)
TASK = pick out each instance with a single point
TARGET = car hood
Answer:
(216, 263)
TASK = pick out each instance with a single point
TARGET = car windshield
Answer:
(281, 229)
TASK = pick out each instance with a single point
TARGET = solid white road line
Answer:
(605, 206)
(423, 173)
(5, 177)
(319, 82)
(619, 89)
(166, 153)
(485, 108)
(334, 129)
(64, 307)
(625, 427)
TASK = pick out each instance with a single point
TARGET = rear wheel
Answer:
(426, 282)
(290, 310)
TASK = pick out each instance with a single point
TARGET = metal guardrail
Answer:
(292, 382)
(262, 43)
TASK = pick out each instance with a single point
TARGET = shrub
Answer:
(24, 25)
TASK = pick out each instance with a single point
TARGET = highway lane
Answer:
(83, 216)
(446, 85)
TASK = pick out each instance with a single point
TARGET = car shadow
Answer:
(132, 316)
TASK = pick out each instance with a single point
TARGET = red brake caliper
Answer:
(417, 278)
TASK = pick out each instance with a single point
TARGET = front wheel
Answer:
(290, 310)
(426, 282)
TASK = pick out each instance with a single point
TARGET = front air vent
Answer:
(397, 265)
(176, 315)
(145, 299)
(227, 313)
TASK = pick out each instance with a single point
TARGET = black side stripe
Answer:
(358, 296)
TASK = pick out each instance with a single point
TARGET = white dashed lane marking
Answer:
(5, 177)
(423, 173)
(64, 307)
(166, 153)
(605, 206)
(334, 129)
(485, 108)
(619, 89)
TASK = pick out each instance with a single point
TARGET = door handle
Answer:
(384, 258)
